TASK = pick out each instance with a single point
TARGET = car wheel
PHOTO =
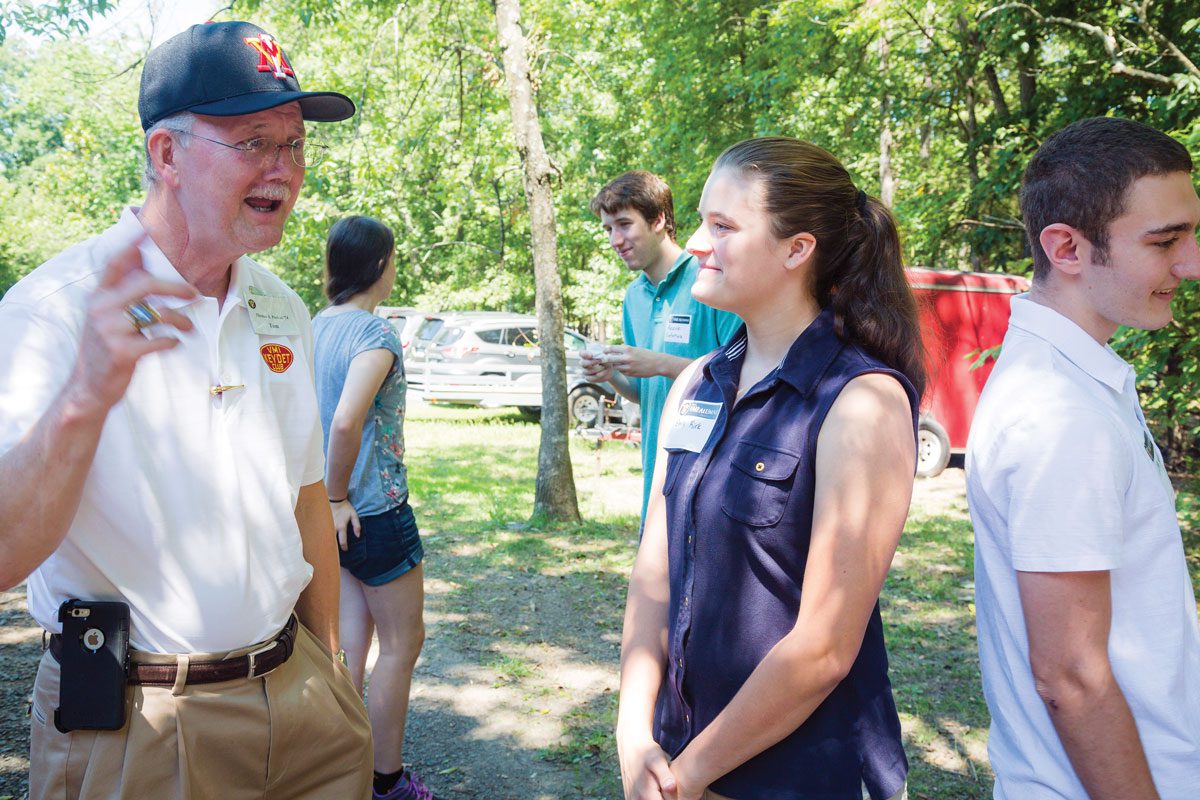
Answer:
(533, 413)
(586, 405)
(933, 448)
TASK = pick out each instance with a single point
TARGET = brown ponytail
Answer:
(858, 267)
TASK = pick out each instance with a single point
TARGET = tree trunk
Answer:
(554, 496)
(887, 175)
(973, 167)
(993, 82)
(1027, 74)
(970, 130)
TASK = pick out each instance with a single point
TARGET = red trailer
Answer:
(962, 314)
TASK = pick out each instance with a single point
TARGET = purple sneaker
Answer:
(409, 787)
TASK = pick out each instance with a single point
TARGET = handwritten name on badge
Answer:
(679, 329)
(271, 315)
(693, 426)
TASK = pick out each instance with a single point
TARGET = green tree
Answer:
(936, 106)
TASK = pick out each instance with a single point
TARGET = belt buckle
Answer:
(253, 655)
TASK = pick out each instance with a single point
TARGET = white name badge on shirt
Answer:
(679, 329)
(270, 314)
(693, 426)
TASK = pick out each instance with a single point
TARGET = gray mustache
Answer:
(272, 191)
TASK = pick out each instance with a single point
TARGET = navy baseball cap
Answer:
(225, 69)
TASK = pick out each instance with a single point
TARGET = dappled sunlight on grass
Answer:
(946, 755)
(535, 609)
(929, 618)
(476, 468)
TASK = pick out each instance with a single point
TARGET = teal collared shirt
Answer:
(667, 319)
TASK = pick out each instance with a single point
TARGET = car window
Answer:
(522, 337)
(491, 335)
(429, 328)
(573, 341)
(448, 336)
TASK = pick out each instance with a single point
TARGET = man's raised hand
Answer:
(112, 343)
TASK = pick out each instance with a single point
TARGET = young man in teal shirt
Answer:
(665, 328)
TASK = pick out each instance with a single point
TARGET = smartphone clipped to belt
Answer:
(93, 666)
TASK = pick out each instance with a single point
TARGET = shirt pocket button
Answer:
(760, 483)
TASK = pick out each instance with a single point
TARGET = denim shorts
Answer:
(390, 545)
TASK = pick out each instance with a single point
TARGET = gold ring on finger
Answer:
(142, 315)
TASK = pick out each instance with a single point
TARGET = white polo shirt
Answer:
(1063, 476)
(188, 512)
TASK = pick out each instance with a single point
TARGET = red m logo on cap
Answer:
(270, 56)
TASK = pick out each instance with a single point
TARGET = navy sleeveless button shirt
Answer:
(739, 521)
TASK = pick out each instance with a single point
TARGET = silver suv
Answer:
(493, 359)
(430, 327)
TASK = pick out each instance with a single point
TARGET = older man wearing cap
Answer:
(160, 453)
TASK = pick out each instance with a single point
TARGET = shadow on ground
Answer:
(20, 649)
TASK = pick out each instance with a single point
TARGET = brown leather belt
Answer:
(255, 663)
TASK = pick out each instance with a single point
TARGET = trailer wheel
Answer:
(933, 448)
(586, 405)
(531, 413)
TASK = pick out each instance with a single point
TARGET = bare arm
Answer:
(1068, 616)
(638, 362)
(621, 363)
(366, 374)
(865, 461)
(644, 769)
(317, 606)
(44, 474)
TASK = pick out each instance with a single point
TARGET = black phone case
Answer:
(91, 694)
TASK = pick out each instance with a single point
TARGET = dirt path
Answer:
(20, 648)
(499, 682)
(513, 690)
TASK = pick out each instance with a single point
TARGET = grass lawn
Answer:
(472, 473)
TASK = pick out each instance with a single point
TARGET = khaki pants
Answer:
(298, 732)
(900, 795)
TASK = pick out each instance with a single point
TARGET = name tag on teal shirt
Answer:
(679, 329)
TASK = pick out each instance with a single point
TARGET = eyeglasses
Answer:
(260, 150)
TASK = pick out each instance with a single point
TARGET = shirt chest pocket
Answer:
(759, 483)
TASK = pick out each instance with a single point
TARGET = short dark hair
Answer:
(644, 192)
(356, 253)
(1081, 175)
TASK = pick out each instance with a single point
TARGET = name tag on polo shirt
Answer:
(693, 426)
(679, 329)
(270, 314)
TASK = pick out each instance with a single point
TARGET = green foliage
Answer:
(1168, 368)
(70, 149)
(50, 18)
(956, 93)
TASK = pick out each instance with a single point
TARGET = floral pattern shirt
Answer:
(379, 481)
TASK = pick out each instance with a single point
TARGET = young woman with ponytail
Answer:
(753, 664)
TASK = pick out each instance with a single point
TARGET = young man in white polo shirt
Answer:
(1088, 636)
